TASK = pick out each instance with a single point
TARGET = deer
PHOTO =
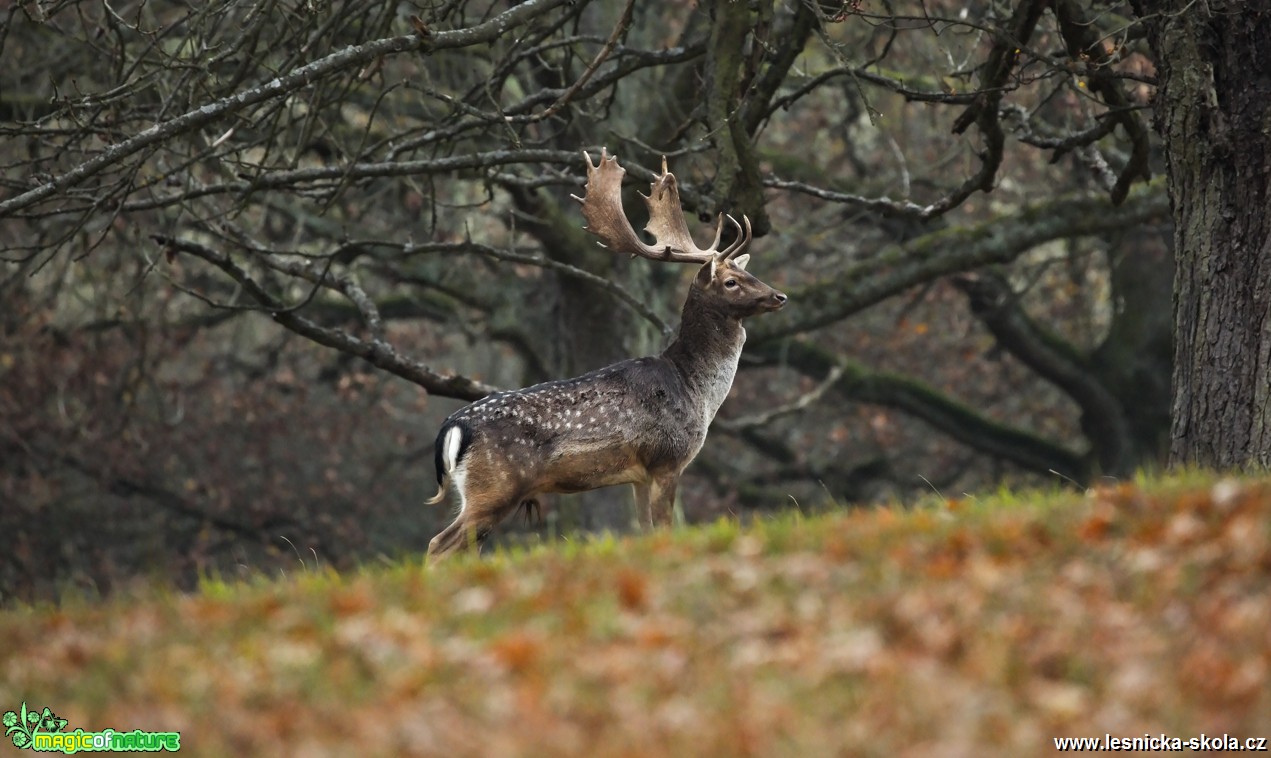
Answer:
(640, 421)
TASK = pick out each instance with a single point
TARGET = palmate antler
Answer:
(602, 207)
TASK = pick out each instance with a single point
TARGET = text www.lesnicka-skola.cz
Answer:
(1162, 743)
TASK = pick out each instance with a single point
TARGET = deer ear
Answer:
(705, 275)
(714, 262)
(740, 262)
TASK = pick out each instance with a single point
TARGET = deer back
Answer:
(609, 426)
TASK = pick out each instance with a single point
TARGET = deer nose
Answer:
(780, 297)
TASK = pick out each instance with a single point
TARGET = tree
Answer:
(956, 198)
(1212, 110)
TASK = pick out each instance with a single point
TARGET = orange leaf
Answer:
(633, 590)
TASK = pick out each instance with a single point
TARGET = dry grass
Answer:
(955, 628)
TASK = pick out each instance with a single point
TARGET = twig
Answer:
(801, 403)
(350, 57)
(623, 23)
(377, 352)
(511, 256)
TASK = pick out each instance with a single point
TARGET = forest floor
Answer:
(979, 626)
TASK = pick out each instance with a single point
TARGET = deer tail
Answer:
(441, 491)
(451, 444)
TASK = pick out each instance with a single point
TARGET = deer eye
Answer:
(730, 283)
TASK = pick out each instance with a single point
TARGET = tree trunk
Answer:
(1133, 361)
(1213, 109)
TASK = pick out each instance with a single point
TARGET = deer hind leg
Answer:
(468, 531)
(448, 540)
(533, 511)
(482, 509)
(661, 498)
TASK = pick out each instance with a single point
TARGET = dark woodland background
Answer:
(254, 252)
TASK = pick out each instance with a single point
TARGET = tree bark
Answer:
(1213, 109)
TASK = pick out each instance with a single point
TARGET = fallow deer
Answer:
(638, 422)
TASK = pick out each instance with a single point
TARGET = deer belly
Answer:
(581, 468)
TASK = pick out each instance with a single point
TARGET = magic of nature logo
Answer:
(43, 731)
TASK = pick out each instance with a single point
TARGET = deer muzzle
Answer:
(775, 302)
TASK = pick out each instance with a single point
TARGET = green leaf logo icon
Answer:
(22, 726)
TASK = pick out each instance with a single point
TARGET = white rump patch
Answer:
(450, 448)
(461, 480)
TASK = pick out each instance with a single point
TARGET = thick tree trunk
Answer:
(1214, 112)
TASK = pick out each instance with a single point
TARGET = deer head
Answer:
(722, 281)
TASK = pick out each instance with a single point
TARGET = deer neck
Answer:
(706, 351)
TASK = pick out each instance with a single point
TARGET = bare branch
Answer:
(348, 58)
(882, 205)
(950, 251)
(802, 403)
(341, 281)
(375, 351)
(997, 307)
(859, 384)
(534, 259)
(1084, 42)
(620, 29)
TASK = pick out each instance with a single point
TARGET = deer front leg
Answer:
(644, 512)
(662, 498)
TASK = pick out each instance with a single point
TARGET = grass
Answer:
(980, 626)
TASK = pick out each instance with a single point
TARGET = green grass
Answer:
(982, 626)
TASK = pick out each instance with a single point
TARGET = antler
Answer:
(602, 207)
